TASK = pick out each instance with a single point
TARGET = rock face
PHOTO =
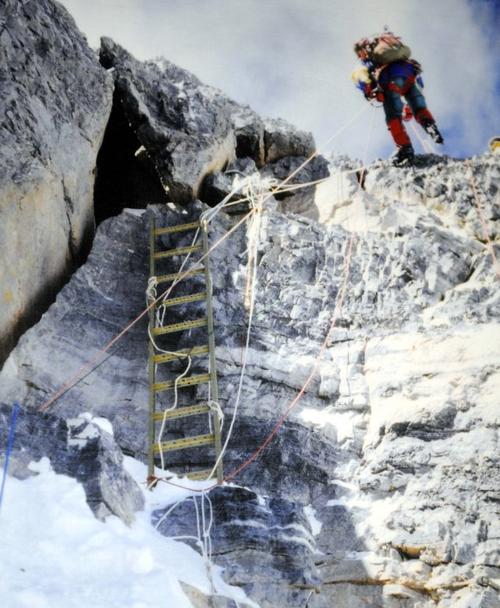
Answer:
(380, 487)
(259, 541)
(53, 110)
(112, 281)
(393, 447)
(78, 448)
(189, 130)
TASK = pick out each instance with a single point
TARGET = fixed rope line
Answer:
(247, 185)
(312, 374)
(338, 308)
(256, 200)
(92, 363)
(318, 150)
(160, 318)
(479, 206)
(297, 398)
(426, 145)
(10, 445)
(295, 401)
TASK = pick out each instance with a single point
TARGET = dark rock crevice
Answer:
(125, 175)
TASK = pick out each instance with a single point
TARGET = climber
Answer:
(494, 145)
(388, 74)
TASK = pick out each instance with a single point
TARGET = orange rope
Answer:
(298, 397)
(90, 365)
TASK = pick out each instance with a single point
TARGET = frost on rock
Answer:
(394, 444)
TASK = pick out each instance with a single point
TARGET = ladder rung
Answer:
(180, 251)
(202, 475)
(189, 381)
(166, 278)
(173, 327)
(181, 444)
(191, 352)
(181, 412)
(195, 297)
(176, 228)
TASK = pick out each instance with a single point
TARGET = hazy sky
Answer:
(294, 58)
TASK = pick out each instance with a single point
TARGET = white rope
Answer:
(426, 145)
(216, 408)
(204, 527)
(255, 194)
(256, 201)
(151, 295)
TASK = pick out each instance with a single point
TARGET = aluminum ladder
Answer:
(157, 415)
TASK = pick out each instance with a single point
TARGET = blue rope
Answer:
(10, 443)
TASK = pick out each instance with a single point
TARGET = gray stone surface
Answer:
(282, 139)
(394, 443)
(264, 544)
(54, 103)
(79, 448)
(190, 130)
(184, 125)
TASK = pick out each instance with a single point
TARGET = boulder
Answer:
(190, 130)
(54, 106)
(183, 125)
(78, 448)
(283, 139)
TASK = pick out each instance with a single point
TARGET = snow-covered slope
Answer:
(55, 554)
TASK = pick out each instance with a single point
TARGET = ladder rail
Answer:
(214, 389)
(151, 361)
(214, 438)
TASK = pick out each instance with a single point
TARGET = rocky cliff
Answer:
(381, 488)
(54, 106)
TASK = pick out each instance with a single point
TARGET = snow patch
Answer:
(103, 423)
(314, 522)
(55, 553)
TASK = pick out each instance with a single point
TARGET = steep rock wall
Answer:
(395, 443)
(189, 130)
(393, 447)
(54, 106)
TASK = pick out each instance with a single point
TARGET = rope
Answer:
(479, 206)
(297, 398)
(338, 307)
(256, 201)
(295, 401)
(92, 363)
(426, 145)
(247, 184)
(10, 444)
(313, 372)
(151, 295)
(203, 528)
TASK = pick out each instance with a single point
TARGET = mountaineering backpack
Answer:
(384, 48)
(388, 48)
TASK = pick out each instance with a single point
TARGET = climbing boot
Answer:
(426, 119)
(433, 131)
(404, 156)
